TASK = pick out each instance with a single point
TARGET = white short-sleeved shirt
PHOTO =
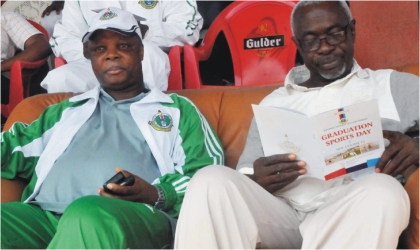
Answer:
(15, 30)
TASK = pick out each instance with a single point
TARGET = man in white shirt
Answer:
(169, 23)
(17, 34)
(278, 206)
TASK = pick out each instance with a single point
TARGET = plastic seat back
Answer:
(259, 37)
(21, 73)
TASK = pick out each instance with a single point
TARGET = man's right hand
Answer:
(277, 171)
(55, 5)
(140, 191)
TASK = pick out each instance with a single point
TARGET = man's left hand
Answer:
(140, 191)
(402, 153)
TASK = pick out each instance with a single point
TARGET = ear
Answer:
(353, 29)
(86, 52)
(296, 42)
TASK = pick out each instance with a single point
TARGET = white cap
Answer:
(116, 20)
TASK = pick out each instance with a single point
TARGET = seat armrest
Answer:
(59, 61)
(175, 76)
(11, 190)
(410, 236)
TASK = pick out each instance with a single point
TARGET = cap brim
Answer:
(138, 18)
(87, 36)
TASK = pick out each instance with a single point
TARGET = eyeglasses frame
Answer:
(325, 38)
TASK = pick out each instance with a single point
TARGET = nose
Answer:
(112, 54)
(325, 47)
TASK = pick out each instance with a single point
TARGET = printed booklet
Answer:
(344, 141)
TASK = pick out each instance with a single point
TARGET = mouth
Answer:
(114, 70)
(329, 63)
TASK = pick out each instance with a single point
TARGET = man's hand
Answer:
(36, 48)
(140, 191)
(55, 5)
(277, 171)
(402, 153)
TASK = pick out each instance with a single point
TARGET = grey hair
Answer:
(343, 5)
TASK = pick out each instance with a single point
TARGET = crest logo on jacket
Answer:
(148, 4)
(109, 14)
(161, 122)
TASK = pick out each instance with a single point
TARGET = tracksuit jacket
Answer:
(179, 137)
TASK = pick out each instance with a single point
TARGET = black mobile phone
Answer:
(120, 179)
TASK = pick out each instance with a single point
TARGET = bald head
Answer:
(297, 13)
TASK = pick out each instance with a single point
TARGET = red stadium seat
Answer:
(175, 76)
(20, 78)
(259, 37)
(59, 61)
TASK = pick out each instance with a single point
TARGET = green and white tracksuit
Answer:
(179, 138)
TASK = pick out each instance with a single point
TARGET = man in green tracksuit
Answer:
(77, 145)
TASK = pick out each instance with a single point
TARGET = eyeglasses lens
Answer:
(331, 39)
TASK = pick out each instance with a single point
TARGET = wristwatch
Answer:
(160, 203)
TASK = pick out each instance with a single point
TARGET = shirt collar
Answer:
(154, 95)
(107, 98)
(300, 74)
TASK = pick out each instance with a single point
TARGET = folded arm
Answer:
(66, 40)
(181, 25)
(36, 48)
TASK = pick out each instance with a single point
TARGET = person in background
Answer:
(19, 41)
(166, 24)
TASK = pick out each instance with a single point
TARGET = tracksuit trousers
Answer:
(89, 222)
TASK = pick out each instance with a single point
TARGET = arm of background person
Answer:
(55, 5)
(36, 48)
(66, 40)
(182, 24)
(25, 37)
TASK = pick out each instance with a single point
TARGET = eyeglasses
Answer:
(332, 39)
